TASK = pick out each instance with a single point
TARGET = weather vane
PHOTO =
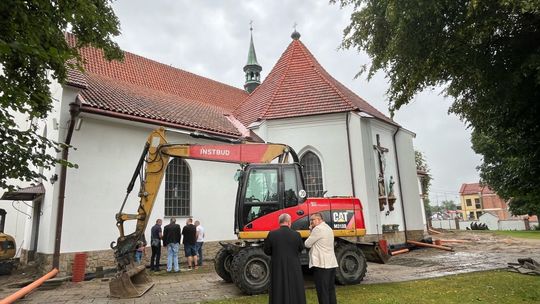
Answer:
(251, 25)
(294, 26)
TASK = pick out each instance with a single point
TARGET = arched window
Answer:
(177, 188)
(311, 166)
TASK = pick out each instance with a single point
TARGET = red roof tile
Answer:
(154, 75)
(298, 86)
(475, 188)
(105, 94)
(142, 89)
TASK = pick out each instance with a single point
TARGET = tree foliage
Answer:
(485, 54)
(33, 51)
(521, 207)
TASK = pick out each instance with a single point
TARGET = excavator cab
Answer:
(265, 189)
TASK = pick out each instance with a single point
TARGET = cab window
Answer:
(262, 186)
(289, 180)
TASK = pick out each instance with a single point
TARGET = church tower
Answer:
(252, 68)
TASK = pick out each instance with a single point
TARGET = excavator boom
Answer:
(131, 280)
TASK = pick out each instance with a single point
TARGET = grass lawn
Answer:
(532, 234)
(499, 286)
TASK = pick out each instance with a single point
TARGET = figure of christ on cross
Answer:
(380, 181)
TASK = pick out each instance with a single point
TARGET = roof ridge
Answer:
(282, 78)
(315, 64)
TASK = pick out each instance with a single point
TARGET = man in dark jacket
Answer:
(155, 242)
(190, 243)
(171, 239)
(284, 246)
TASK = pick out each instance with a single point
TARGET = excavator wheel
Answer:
(222, 264)
(351, 264)
(250, 270)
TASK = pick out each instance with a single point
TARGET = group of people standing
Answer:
(192, 237)
(284, 245)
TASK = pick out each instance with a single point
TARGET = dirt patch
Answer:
(483, 251)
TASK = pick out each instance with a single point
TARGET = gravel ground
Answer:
(482, 251)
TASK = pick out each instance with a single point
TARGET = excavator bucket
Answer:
(132, 283)
(375, 252)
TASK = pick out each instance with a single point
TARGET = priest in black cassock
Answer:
(284, 245)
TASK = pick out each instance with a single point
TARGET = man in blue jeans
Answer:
(190, 243)
(171, 239)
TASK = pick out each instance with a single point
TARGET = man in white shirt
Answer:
(200, 241)
(322, 259)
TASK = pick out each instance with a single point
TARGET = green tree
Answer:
(448, 205)
(485, 54)
(32, 51)
(521, 207)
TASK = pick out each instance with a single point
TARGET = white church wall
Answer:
(327, 135)
(107, 152)
(364, 188)
(55, 126)
(414, 210)
(385, 133)
(372, 213)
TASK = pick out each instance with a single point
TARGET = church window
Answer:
(177, 188)
(312, 171)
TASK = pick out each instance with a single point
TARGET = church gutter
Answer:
(74, 110)
(347, 116)
(399, 183)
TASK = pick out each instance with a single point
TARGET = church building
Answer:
(345, 145)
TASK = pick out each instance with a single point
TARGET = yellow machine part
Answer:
(132, 283)
(7, 247)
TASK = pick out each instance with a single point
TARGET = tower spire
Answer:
(252, 69)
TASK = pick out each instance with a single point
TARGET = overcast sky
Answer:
(211, 39)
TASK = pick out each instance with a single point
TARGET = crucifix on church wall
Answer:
(384, 195)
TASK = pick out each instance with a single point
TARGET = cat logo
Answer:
(340, 217)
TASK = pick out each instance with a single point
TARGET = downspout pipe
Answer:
(74, 110)
(399, 183)
(350, 153)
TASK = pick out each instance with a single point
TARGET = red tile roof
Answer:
(105, 94)
(298, 86)
(475, 188)
(149, 91)
(145, 90)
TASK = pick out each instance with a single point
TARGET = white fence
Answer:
(516, 224)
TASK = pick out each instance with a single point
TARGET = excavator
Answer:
(270, 182)
(7, 247)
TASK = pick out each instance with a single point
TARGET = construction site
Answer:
(470, 251)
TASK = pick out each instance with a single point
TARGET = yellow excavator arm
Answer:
(151, 169)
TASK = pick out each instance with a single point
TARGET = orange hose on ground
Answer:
(405, 250)
(25, 290)
(427, 245)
